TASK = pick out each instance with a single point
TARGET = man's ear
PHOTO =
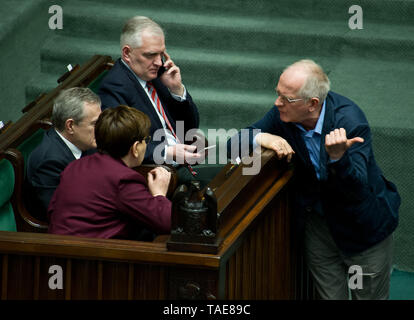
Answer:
(126, 51)
(314, 104)
(69, 126)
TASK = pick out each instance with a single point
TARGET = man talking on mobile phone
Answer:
(146, 78)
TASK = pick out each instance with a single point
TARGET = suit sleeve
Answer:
(242, 144)
(45, 181)
(349, 175)
(136, 201)
(185, 111)
(111, 97)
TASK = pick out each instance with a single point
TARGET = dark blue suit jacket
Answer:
(121, 87)
(44, 166)
(360, 205)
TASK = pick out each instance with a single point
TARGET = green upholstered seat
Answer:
(94, 86)
(8, 181)
(28, 145)
(7, 221)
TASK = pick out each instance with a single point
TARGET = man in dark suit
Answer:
(135, 81)
(112, 200)
(345, 207)
(74, 114)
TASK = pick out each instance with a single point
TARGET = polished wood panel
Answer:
(258, 269)
(254, 261)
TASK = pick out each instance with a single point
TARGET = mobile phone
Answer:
(162, 69)
(209, 147)
(205, 150)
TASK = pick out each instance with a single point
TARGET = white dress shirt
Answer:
(77, 153)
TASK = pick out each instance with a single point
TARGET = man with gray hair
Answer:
(143, 80)
(345, 209)
(74, 114)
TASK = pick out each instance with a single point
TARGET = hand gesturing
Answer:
(336, 143)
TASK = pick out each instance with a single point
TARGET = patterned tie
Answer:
(154, 96)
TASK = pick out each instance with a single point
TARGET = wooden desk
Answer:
(255, 258)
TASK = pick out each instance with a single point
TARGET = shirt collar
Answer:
(77, 153)
(319, 123)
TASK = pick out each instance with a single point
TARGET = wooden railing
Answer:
(254, 258)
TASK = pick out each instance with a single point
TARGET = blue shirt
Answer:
(312, 140)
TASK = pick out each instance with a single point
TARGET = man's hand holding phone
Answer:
(183, 153)
(204, 152)
(171, 77)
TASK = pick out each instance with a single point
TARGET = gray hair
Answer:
(70, 105)
(133, 28)
(317, 83)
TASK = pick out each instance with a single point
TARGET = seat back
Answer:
(14, 213)
(28, 197)
(24, 220)
(7, 221)
(94, 86)
(28, 145)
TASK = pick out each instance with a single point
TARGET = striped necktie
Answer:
(154, 96)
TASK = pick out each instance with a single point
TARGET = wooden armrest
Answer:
(68, 73)
(6, 126)
(33, 103)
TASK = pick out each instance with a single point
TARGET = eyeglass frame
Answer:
(147, 139)
(284, 98)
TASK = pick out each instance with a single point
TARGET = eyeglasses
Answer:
(286, 99)
(147, 139)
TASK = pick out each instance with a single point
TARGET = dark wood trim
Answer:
(24, 220)
(6, 126)
(42, 109)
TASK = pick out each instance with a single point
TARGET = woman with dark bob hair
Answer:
(101, 196)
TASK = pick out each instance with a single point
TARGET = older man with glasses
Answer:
(345, 209)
